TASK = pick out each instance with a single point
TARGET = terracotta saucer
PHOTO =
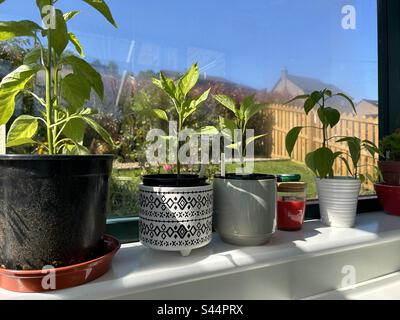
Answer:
(60, 278)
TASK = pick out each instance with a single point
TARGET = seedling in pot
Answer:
(60, 202)
(390, 146)
(62, 111)
(321, 161)
(179, 94)
(389, 167)
(243, 113)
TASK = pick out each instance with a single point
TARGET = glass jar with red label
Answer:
(292, 200)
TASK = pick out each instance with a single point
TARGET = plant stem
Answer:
(324, 127)
(49, 103)
(243, 148)
(55, 103)
(178, 163)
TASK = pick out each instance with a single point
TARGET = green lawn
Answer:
(269, 167)
(285, 167)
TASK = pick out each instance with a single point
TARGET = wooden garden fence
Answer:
(287, 117)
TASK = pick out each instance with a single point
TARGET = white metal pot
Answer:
(338, 199)
(176, 219)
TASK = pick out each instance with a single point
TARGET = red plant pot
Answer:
(389, 198)
(60, 278)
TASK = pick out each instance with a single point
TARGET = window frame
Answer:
(388, 11)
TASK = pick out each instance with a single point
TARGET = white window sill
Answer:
(382, 288)
(294, 265)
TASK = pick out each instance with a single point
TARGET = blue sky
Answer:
(248, 42)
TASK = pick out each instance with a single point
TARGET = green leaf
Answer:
(1, 1)
(309, 160)
(379, 175)
(13, 29)
(328, 93)
(161, 114)
(74, 40)
(75, 130)
(291, 139)
(355, 150)
(337, 154)
(208, 131)
(75, 149)
(32, 56)
(21, 142)
(300, 97)
(229, 124)
(69, 15)
(84, 69)
(323, 160)
(362, 177)
(372, 148)
(354, 145)
(100, 130)
(247, 103)
(11, 86)
(253, 110)
(88, 112)
(252, 139)
(194, 104)
(372, 151)
(347, 165)
(311, 102)
(59, 36)
(329, 116)
(22, 131)
(101, 6)
(76, 91)
(189, 79)
(228, 103)
(345, 139)
(168, 86)
(348, 100)
(41, 3)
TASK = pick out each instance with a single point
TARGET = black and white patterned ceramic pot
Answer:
(176, 218)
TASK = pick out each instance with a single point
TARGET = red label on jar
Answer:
(291, 214)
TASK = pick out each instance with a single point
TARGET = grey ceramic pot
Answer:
(245, 209)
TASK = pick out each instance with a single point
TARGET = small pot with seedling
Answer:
(245, 203)
(390, 166)
(388, 189)
(52, 206)
(176, 209)
(338, 196)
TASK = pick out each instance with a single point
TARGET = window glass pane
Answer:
(273, 49)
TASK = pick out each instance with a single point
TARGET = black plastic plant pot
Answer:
(174, 181)
(52, 209)
(247, 177)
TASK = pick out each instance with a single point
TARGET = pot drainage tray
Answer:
(60, 278)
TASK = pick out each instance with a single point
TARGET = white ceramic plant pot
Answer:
(338, 199)
(176, 219)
